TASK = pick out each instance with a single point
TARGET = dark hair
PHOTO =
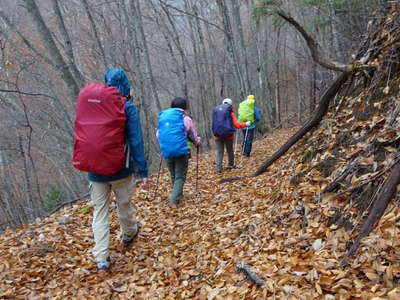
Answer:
(179, 102)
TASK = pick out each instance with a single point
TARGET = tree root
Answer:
(379, 207)
(336, 183)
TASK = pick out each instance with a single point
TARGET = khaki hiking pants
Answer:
(100, 193)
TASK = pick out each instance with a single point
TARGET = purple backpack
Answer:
(222, 121)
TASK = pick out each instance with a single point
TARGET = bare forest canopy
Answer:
(204, 50)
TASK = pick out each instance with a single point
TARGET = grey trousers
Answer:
(221, 145)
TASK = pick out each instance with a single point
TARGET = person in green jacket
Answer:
(248, 111)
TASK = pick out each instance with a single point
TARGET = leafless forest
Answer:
(204, 50)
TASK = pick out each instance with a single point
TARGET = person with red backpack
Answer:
(224, 124)
(108, 144)
(176, 132)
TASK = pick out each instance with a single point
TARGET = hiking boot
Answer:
(232, 167)
(104, 265)
(127, 240)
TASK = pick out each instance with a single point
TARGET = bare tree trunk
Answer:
(167, 34)
(67, 43)
(333, 31)
(313, 90)
(24, 39)
(28, 186)
(266, 91)
(140, 93)
(277, 81)
(200, 70)
(56, 57)
(175, 35)
(138, 23)
(97, 37)
(243, 61)
(299, 96)
(214, 57)
(230, 46)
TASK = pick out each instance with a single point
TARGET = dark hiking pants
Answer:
(247, 141)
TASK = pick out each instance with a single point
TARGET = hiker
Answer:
(224, 124)
(248, 112)
(109, 145)
(176, 132)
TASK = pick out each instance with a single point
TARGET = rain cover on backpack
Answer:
(99, 130)
(171, 133)
(246, 110)
(222, 121)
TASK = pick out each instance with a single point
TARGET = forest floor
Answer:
(279, 229)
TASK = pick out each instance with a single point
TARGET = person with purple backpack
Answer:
(224, 124)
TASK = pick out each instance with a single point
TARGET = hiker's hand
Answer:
(144, 183)
(248, 123)
(198, 141)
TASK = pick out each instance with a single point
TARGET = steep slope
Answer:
(278, 228)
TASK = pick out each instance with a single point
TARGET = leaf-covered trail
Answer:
(191, 252)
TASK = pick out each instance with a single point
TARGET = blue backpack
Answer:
(171, 133)
(222, 121)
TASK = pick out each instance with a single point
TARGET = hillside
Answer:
(279, 228)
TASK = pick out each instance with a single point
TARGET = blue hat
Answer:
(118, 79)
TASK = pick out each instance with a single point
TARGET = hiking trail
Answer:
(280, 230)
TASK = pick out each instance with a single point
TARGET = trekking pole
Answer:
(197, 171)
(244, 145)
(236, 140)
(158, 177)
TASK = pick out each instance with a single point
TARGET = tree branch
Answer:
(315, 48)
(24, 39)
(24, 93)
(192, 15)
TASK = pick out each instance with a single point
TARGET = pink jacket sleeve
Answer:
(191, 130)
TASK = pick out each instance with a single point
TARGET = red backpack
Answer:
(99, 130)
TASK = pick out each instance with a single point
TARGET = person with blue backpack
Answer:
(176, 132)
(108, 144)
(248, 112)
(224, 124)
